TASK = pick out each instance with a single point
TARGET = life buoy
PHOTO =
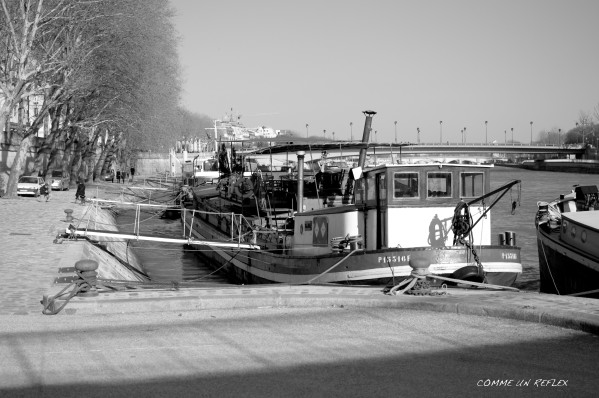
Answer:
(244, 188)
(461, 222)
(436, 233)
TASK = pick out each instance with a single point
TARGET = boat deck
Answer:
(589, 219)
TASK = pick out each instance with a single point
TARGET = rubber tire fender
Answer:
(470, 273)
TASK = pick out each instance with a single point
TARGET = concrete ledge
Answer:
(567, 312)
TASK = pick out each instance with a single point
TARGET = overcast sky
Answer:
(288, 63)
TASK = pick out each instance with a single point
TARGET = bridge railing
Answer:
(500, 144)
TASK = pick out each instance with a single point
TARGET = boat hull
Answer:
(501, 264)
(565, 269)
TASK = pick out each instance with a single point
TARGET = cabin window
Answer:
(370, 187)
(382, 187)
(308, 225)
(472, 184)
(405, 185)
(438, 185)
(360, 191)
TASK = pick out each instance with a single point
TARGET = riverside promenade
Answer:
(274, 340)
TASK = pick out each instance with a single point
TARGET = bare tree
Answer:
(34, 33)
(107, 69)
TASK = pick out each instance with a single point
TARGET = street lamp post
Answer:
(418, 134)
(513, 136)
(351, 131)
(395, 122)
(333, 136)
(440, 131)
(505, 137)
(462, 131)
(530, 133)
(486, 135)
(464, 135)
(559, 138)
(306, 130)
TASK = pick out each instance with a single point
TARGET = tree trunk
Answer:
(5, 108)
(99, 166)
(17, 166)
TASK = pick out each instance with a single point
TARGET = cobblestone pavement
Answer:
(28, 256)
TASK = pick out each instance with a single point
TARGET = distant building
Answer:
(230, 128)
(25, 115)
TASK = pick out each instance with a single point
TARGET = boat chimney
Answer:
(300, 181)
(349, 185)
(365, 137)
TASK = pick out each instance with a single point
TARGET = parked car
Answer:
(29, 185)
(60, 180)
(107, 177)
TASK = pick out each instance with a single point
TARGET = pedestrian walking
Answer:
(111, 175)
(80, 194)
(123, 176)
(132, 173)
(45, 191)
(118, 176)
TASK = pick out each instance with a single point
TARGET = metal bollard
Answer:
(420, 266)
(69, 213)
(510, 238)
(501, 239)
(86, 269)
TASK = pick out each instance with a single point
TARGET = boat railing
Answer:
(237, 225)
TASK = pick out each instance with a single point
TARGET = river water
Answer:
(167, 262)
(536, 186)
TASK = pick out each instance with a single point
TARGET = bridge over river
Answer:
(448, 152)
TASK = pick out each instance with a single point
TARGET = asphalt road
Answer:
(283, 352)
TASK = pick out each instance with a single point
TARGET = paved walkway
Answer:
(28, 258)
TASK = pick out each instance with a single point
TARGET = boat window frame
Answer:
(483, 187)
(417, 185)
(370, 191)
(360, 191)
(451, 185)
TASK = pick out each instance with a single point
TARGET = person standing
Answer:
(118, 176)
(80, 194)
(132, 173)
(45, 191)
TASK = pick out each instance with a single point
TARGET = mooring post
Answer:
(86, 269)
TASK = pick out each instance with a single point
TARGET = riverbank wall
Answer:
(115, 259)
(563, 165)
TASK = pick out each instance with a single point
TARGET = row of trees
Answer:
(108, 75)
(585, 131)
